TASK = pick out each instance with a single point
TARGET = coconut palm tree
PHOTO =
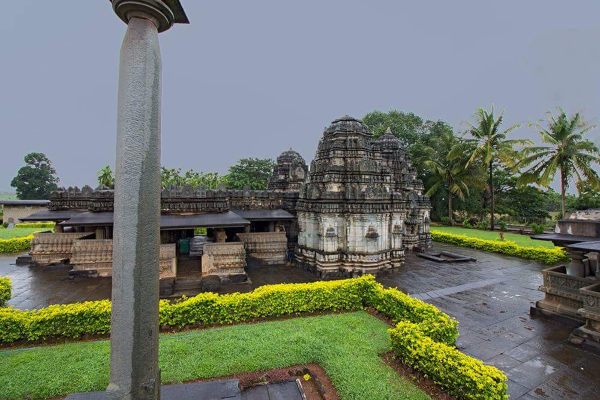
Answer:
(568, 153)
(446, 163)
(492, 147)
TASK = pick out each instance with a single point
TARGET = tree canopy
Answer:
(568, 153)
(250, 173)
(37, 179)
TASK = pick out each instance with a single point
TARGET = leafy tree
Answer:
(568, 153)
(37, 179)
(106, 177)
(174, 177)
(448, 171)
(492, 148)
(406, 126)
(525, 204)
(588, 197)
(250, 173)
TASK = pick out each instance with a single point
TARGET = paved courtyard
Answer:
(490, 297)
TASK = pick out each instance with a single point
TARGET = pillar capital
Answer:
(163, 13)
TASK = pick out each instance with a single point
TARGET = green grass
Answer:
(346, 345)
(522, 240)
(18, 232)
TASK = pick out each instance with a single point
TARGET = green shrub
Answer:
(15, 245)
(41, 225)
(5, 290)
(483, 225)
(537, 229)
(463, 376)
(445, 220)
(467, 224)
(502, 225)
(541, 254)
(399, 307)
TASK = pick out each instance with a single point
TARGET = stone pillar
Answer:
(576, 266)
(134, 372)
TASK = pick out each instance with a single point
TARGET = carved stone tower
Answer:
(352, 210)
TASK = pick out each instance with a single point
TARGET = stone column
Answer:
(134, 372)
(576, 266)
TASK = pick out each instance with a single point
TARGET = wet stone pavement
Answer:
(490, 297)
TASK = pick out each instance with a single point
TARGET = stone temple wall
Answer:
(224, 259)
(53, 248)
(265, 247)
(94, 256)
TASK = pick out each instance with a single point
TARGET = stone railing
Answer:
(53, 248)
(168, 261)
(95, 257)
(223, 259)
(266, 247)
(562, 294)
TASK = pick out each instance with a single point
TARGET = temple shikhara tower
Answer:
(362, 205)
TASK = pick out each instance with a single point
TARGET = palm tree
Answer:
(448, 170)
(491, 147)
(568, 152)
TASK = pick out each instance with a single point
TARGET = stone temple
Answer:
(361, 206)
(358, 209)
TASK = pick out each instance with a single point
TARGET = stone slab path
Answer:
(490, 297)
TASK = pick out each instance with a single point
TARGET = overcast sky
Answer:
(253, 78)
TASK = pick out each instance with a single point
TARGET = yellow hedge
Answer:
(41, 225)
(424, 337)
(15, 245)
(5, 290)
(463, 376)
(541, 254)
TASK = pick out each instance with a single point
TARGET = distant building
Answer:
(17, 209)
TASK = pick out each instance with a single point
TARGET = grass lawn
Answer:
(346, 345)
(18, 232)
(522, 240)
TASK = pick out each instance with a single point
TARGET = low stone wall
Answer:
(168, 261)
(562, 294)
(224, 259)
(266, 247)
(95, 257)
(53, 248)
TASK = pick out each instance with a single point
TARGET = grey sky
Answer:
(252, 78)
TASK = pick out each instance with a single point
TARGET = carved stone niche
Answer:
(371, 233)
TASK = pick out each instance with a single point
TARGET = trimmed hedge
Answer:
(15, 245)
(541, 254)
(424, 337)
(5, 290)
(463, 376)
(400, 307)
(42, 225)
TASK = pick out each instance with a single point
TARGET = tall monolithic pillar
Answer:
(134, 372)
